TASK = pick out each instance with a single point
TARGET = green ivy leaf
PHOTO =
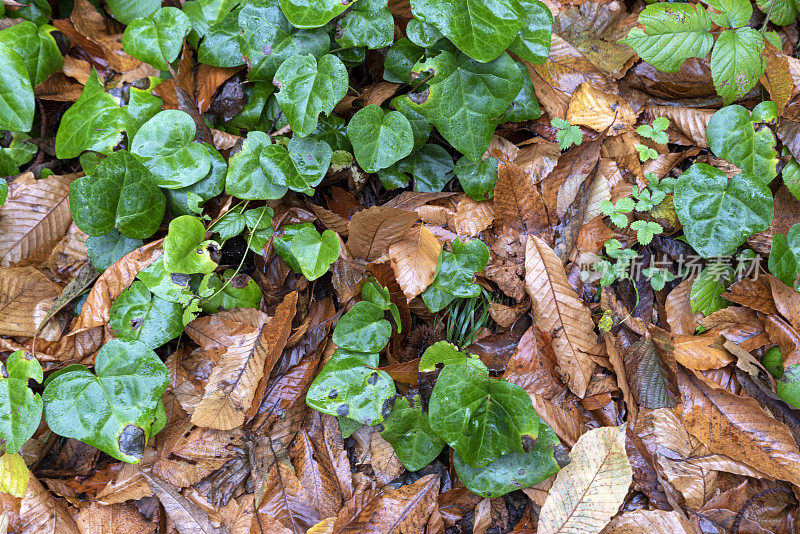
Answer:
(420, 126)
(788, 385)
(188, 200)
(221, 46)
(732, 13)
(408, 430)
(3, 191)
(172, 287)
(465, 98)
(115, 409)
(120, 193)
(314, 252)
(268, 39)
(126, 11)
(512, 471)
(21, 407)
(368, 23)
(784, 256)
(481, 418)
(525, 106)
(480, 29)
(308, 87)
(157, 39)
(444, 353)
(142, 106)
(380, 138)
(422, 34)
(567, 134)
(478, 179)
(203, 14)
(706, 293)
(37, 48)
(246, 178)
(432, 167)
(104, 251)
(138, 315)
(313, 13)
(300, 167)
(186, 249)
(736, 62)
(400, 60)
(533, 41)
(454, 273)
(95, 122)
(718, 215)
(672, 34)
(164, 144)
(362, 329)
(16, 92)
(239, 291)
(732, 135)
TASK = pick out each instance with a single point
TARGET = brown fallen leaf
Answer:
(33, 219)
(128, 484)
(26, 295)
(105, 32)
(287, 501)
(187, 517)
(473, 217)
(595, 109)
(681, 318)
(650, 522)
(560, 312)
(123, 517)
(414, 259)
(518, 204)
(753, 293)
(374, 230)
(532, 366)
(40, 512)
(588, 492)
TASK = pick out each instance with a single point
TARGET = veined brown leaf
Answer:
(69, 255)
(372, 231)
(286, 500)
(26, 296)
(694, 352)
(588, 492)
(413, 260)
(560, 312)
(681, 318)
(121, 517)
(777, 77)
(568, 425)
(736, 426)
(127, 483)
(753, 293)
(691, 122)
(188, 517)
(33, 219)
(473, 217)
(595, 109)
(40, 512)
(518, 204)
(650, 522)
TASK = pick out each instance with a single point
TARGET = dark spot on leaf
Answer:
(267, 50)
(180, 279)
(215, 253)
(379, 427)
(240, 281)
(343, 410)
(387, 407)
(420, 98)
(521, 472)
(373, 379)
(332, 394)
(136, 323)
(131, 441)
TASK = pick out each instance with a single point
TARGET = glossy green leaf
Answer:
(138, 315)
(228, 291)
(221, 46)
(408, 430)
(165, 145)
(444, 353)
(732, 135)
(482, 29)
(706, 293)
(282, 244)
(783, 256)
(362, 329)
(788, 386)
(422, 34)
(308, 87)
(533, 41)
(268, 39)
(36, 11)
(454, 273)
(400, 60)
(95, 122)
(142, 106)
(20, 408)
(736, 63)
(106, 250)
(126, 11)
(432, 167)
(186, 249)
(718, 215)
(380, 138)
(203, 14)
(420, 126)
(120, 193)
(732, 13)
(246, 179)
(16, 92)
(368, 23)
(333, 130)
(347, 426)
(37, 48)
(782, 12)
(188, 200)
(157, 39)
(300, 167)
(314, 252)
(525, 106)
(313, 13)
(672, 34)
(348, 386)
(480, 417)
(512, 471)
(478, 179)
(114, 409)
(465, 98)
(3, 191)
(172, 287)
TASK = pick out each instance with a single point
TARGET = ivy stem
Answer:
(243, 203)
(422, 81)
(766, 20)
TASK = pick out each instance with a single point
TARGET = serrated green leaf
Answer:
(782, 13)
(237, 291)
(718, 215)
(672, 34)
(106, 250)
(300, 167)
(368, 23)
(115, 409)
(308, 87)
(245, 178)
(314, 252)
(408, 430)
(157, 39)
(645, 230)
(138, 315)
(736, 62)
(732, 13)
(313, 13)
(126, 11)
(706, 293)
(567, 134)
(20, 408)
(481, 418)
(533, 41)
(186, 249)
(732, 135)
(120, 193)
(362, 329)
(480, 29)
(478, 179)
(380, 138)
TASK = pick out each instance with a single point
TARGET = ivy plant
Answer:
(454, 273)
(740, 137)
(22, 408)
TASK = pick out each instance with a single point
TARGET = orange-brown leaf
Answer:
(518, 204)
(413, 260)
(372, 231)
(25, 298)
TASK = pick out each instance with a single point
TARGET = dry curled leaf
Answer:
(518, 204)
(26, 295)
(413, 260)
(374, 230)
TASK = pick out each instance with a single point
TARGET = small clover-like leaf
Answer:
(186, 249)
(314, 252)
(645, 230)
(408, 430)
(732, 135)
(380, 138)
(645, 152)
(20, 408)
(567, 134)
(115, 409)
(157, 39)
(138, 315)
(658, 277)
(308, 87)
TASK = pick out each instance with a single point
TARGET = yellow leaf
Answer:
(14, 475)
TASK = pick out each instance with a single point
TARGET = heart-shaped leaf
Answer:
(189, 200)
(480, 417)
(126, 11)
(408, 430)
(454, 274)
(314, 252)
(104, 251)
(478, 179)
(380, 138)
(21, 407)
(533, 41)
(368, 23)
(348, 386)
(719, 215)
(308, 87)
(300, 167)
(157, 39)
(482, 29)
(172, 287)
(37, 48)
(120, 193)
(228, 291)
(432, 167)
(422, 34)
(732, 135)
(221, 46)
(115, 409)
(246, 179)
(203, 14)
(138, 315)
(186, 249)
(444, 353)
(363, 329)
(313, 13)
(164, 144)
